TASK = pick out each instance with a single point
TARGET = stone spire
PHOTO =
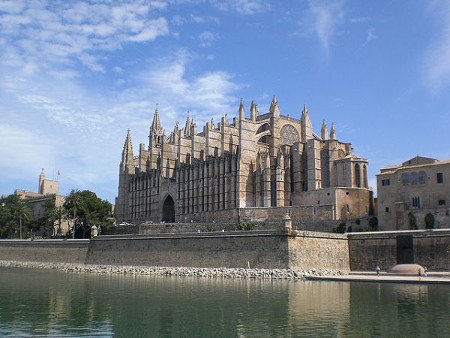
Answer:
(324, 131)
(253, 111)
(187, 126)
(332, 132)
(274, 109)
(155, 130)
(127, 152)
(241, 110)
(306, 124)
(156, 124)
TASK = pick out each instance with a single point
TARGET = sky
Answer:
(75, 75)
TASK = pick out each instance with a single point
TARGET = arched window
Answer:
(357, 176)
(405, 179)
(365, 181)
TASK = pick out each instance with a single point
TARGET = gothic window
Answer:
(357, 176)
(365, 181)
(405, 179)
(289, 135)
(416, 202)
(413, 178)
(422, 177)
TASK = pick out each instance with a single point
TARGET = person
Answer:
(425, 271)
(378, 270)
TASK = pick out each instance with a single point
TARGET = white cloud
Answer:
(437, 58)
(48, 34)
(324, 19)
(23, 150)
(207, 38)
(248, 7)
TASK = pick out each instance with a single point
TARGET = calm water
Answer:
(41, 302)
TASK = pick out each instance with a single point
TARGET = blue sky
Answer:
(74, 75)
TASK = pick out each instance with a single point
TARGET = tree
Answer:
(373, 223)
(412, 221)
(54, 214)
(429, 221)
(14, 214)
(86, 209)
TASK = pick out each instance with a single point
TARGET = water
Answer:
(43, 302)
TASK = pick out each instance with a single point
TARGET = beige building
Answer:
(411, 190)
(48, 190)
(253, 168)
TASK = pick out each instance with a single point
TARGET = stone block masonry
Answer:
(430, 248)
(53, 250)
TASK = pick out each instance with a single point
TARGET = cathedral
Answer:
(256, 168)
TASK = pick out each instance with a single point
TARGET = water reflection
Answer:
(42, 302)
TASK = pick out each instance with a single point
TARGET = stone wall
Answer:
(201, 250)
(53, 250)
(431, 249)
(319, 250)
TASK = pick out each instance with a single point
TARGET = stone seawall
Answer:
(239, 249)
(50, 250)
(430, 248)
(314, 249)
(207, 250)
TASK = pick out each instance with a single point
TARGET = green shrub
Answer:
(247, 226)
(412, 221)
(429, 221)
(373, 223)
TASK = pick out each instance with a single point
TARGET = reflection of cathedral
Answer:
(235, 171)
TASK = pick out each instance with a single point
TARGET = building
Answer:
(409, 191)
(256, 168)
(48, 192)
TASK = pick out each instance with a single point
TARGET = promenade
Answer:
(371, 277)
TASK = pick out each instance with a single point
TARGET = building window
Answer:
(387, 209)
(441, 202)
(416, 202)
(405, 179)
(440, 178)
(385, 182)
(422, 177)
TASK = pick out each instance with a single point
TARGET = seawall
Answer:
(429, 248)
(299, 250)
(50, 250)
(240, 249)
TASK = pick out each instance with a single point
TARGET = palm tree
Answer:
(20, 211)
(73, 201)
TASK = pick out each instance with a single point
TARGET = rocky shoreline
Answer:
(227, 273)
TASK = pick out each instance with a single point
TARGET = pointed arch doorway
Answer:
(168, 210)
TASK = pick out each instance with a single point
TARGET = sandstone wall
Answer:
(55, 251)
(201, 250)
(431, 249)
(318, 250)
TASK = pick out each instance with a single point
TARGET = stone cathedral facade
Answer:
(255, 168)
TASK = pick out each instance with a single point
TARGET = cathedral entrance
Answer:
(168, 211)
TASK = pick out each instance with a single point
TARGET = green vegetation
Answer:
(16, 218)
(83, 208)
(412, 221)
(247, 226)
(340, 229)
(373, 223)
(429, 221)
